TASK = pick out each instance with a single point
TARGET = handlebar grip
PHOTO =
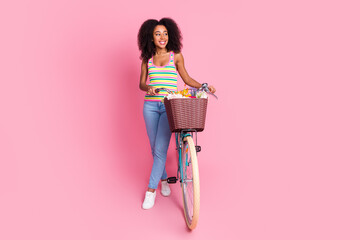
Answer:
(164, 89)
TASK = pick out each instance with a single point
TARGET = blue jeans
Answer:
(158, 131)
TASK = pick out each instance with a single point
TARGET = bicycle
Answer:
(188, 169)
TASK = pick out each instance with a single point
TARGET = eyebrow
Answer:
(159, 31)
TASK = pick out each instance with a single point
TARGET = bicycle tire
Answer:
(190, 183)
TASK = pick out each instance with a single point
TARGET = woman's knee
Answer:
(160, 153)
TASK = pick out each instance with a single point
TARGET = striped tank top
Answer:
(162, 77)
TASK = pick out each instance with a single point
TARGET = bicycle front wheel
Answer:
(190, 183)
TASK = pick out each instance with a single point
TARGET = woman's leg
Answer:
(161, 146)
(151, 116)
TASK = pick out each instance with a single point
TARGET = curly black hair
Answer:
(145, 37)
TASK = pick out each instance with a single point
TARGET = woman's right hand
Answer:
(151, 91)
(212, 89)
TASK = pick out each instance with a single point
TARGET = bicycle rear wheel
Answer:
(190, 183)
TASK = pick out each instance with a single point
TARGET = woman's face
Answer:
(160, 36)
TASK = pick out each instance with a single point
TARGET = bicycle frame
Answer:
(179, 142)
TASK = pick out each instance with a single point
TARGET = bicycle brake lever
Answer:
(204, 87)
(213, 95)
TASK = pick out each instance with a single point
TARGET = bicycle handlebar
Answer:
(204, 87)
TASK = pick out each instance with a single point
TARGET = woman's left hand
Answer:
(212, 89)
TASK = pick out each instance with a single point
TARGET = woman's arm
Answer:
(180, 66)
(143, 76)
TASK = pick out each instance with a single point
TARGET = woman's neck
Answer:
(162, 51)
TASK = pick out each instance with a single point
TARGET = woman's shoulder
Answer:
(144, 62)
(178, 56)
(177, 53)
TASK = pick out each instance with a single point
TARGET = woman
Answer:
(160, 46)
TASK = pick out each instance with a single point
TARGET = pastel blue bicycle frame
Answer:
(179, 146)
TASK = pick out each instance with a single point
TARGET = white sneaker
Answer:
(165, 189)
(149, 200)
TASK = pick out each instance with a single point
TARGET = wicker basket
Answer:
(186, 113)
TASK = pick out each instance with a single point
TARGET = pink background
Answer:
(280, 155)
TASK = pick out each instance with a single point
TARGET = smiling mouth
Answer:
(162, 42)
